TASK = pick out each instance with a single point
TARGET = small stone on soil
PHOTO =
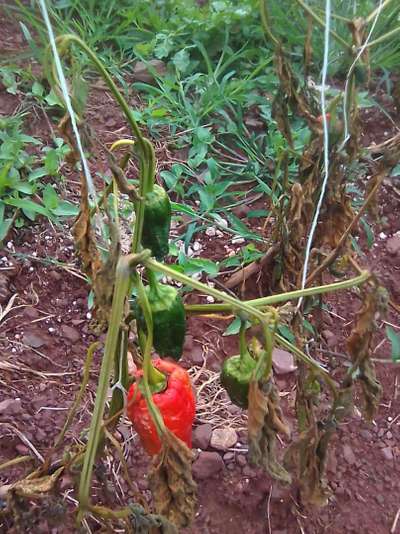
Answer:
(211, 231)
(229, 456)
(201, 436)
(223, 438)
(232, 409)
(10, 407)
(330, 338)
(367, 435)
(22, 449)
(283, 362)
(196, 355)
(393, 245)
(387, 453)
(241, 460)
(349, 455)
(249, 471)
(55, 276)
(70, 333)
(33, 340)
(207, 465)
(142, 73)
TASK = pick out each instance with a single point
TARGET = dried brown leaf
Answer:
(264, 423)
(359, 346)
(102, 274)
(171, 482)
(280, 114)
(308, 455)
(36, 487)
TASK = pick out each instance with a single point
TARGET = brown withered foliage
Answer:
(307, 456)
(337, 213)
(265, 421)
(359, 346)
(22, 494)
(101, 272)
(296, 96)
(171, 482)
(147, 523)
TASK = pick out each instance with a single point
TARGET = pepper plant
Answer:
(160, 401)
(160, 323)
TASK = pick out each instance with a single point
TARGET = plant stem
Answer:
(242, 339)
(373, 13)
(122, 283)
(71, 414)
(334, 254)
(266, 25)
(282, 297)
(150, 375)
(321, 23)
(146, 151)
(235, 304)
(308, 361)
(64, 40)
(238, 306)
(382, 38)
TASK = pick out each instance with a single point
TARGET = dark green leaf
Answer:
(182, 208)
(257, 213)
(50, 197)
(286, 333)
(4, 228)
(234, 327)
(27, 205)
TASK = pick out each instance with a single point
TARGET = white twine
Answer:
(67, 100)
(326, 146)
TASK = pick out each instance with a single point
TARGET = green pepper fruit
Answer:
(169, 320)
(156, 222)
(235, 377)
(237, 371)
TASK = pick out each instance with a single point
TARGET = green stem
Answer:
(321, 23)
(302, 356)
(282, 297)
(234, 303)
(266, 25)
(382, 38)
(147, 177)
(146, 150)
(64, 40)
(264, 364)
(150, 375)
(121, 289)
(242, 338)
(373, 13)
(122, 283)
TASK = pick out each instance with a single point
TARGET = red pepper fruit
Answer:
(176, 404)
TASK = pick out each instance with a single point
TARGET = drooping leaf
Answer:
(264, 423)
(171, 482)
(359, 343)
